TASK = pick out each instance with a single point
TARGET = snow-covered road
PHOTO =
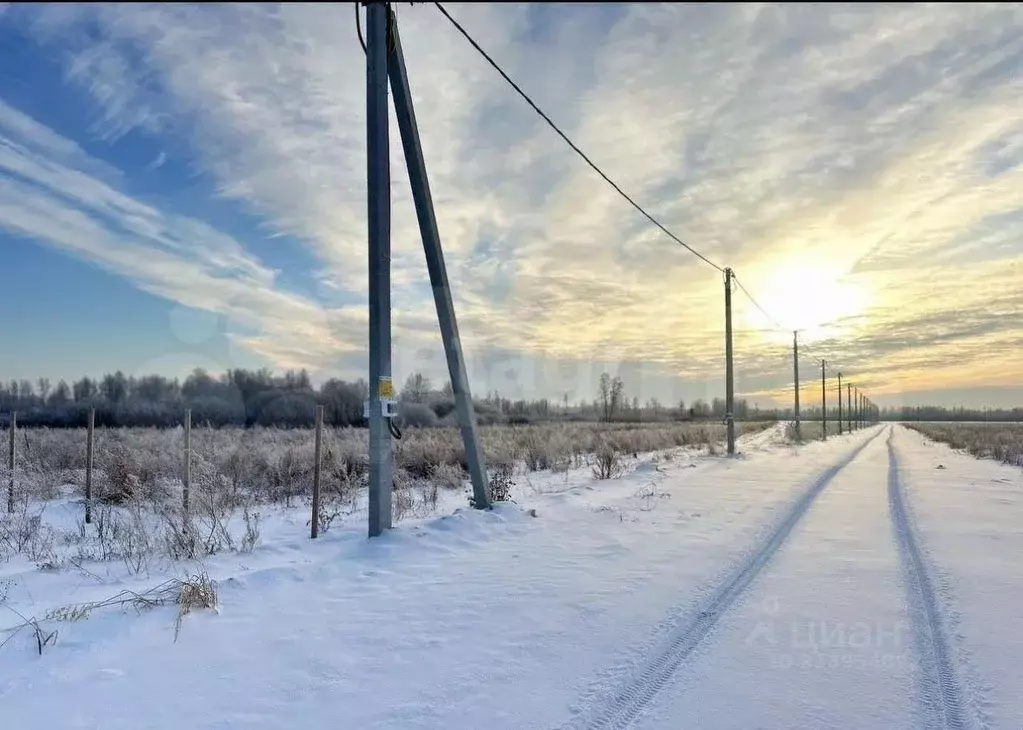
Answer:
(827, 635)
(846, 584)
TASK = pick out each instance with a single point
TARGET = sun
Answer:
(808, 297)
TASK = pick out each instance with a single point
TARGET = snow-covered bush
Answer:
(607, 463)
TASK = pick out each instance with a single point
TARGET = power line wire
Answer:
(570, 143)
(757, 304)
(612, 183)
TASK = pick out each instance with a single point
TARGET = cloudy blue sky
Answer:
(184, 186)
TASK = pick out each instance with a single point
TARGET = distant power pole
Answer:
(795, 375)
(840, 404)
(729, 370)
(824, 402)
(848, 403)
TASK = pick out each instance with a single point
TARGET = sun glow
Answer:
(812, 298)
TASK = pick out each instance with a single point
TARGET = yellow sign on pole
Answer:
(386, 389)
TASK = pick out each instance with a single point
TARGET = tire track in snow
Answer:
(942, 696)
(656, 673)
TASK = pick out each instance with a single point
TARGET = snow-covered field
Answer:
(864, 582)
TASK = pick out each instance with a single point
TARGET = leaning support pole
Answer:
(795, 376)
(420, 184)
(729, 369)
(381, 455)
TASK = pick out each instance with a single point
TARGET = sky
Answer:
(184, 186)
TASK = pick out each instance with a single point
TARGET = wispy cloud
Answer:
(866, 153)
(46, 195)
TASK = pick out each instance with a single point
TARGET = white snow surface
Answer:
(843, 584)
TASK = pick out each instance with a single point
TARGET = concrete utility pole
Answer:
(729, 370)
(840, 404)
(795, 375)
(824, 401)
(848, 402)
(381, 454)
(385, 63)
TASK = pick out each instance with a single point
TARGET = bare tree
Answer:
(416, 388)
(604, 397)
(617, 397)
(611, 397)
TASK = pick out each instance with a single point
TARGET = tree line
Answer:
(240, 397)
(237, 397)
(960, 413)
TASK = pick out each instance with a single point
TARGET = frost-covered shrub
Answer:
(607, 461)
(448, 476)
(417, 415)
(499, 487)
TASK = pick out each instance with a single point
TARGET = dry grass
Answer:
(190, 594)
(814, 430)
(999, 441)
(197, 592)
(275, 465)
(137, 487)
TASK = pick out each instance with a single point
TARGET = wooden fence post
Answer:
(315, 528)
(187, 477)
(11, 462)
(88, 466)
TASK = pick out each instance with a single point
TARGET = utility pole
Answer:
(824, 402)
(848, 403)
(420, 183)
(385, 63)
(381, 454)
(840, 404)
(795, 372)
(729, 372)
